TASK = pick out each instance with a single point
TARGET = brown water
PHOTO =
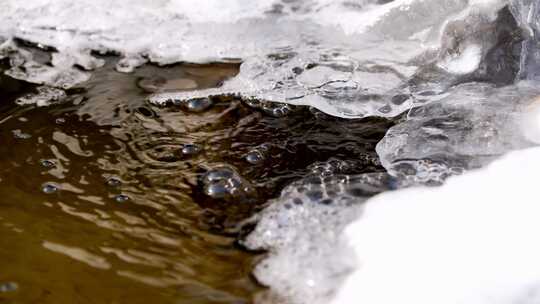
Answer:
(103, 199)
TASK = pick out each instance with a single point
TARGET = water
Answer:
(107, 199)
(462, 74)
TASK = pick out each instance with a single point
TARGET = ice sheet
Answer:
(467, 129)
(347, 58)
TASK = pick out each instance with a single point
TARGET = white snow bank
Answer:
(473, 240)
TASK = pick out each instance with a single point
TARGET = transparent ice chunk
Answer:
(527, 13)
(471, 126)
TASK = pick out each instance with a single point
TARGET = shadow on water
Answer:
(107, 199)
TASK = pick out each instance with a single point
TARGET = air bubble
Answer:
(314, 195)
(49, 188)
(218, 174)
(191, 149)
(225, 183)
(278, 112)
(8, 287)
(48, 163)
(254, 157)
(217, 190)
(385, 109)
(114, 182)
(121, 198)
(197, 105)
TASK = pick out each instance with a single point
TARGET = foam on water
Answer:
(302, 231)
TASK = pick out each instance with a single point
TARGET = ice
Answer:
(347, 58)
(471, 241)
(44, 96)
(371, 70)
(527, 14)
(33, 66)
(472, 125)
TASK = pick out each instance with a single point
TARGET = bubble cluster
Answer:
(275, 109)
(224, 182)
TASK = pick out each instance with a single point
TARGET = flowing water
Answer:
(107, 199)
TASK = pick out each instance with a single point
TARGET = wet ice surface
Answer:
(474, 124)
(375, 60)
(463, 75)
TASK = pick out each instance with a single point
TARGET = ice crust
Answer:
(348, 58)
(467, 129)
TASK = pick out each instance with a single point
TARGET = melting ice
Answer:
(347, 58)
(462, 75)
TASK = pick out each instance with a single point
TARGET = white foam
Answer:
(302, 231)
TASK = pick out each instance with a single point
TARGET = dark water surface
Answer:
(107, 199)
